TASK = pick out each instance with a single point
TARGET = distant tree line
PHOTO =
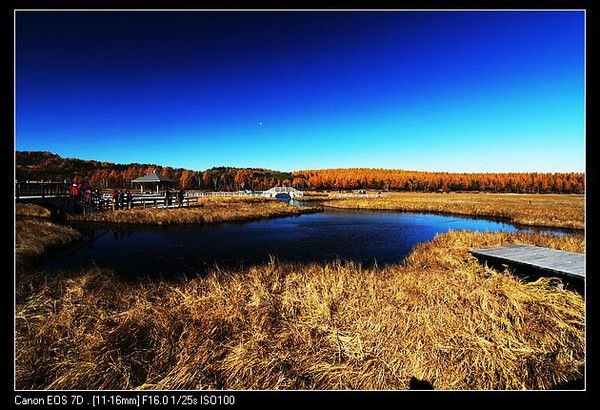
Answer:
(37, 165)
(400, 180)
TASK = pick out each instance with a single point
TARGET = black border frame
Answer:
(300, 398)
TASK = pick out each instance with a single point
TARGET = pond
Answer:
(364, 236)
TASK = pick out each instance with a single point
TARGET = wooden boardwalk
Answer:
(569, 264)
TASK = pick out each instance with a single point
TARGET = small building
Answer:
(152, 181)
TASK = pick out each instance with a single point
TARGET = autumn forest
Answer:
(37, 165)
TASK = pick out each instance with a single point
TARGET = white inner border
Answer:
(15, 11)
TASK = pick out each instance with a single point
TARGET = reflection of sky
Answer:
(361, 236)
(454, 91)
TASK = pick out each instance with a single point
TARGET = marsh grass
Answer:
(440, 316)
(36, 234)
(560, 211)
(32, 210)
(209, 211)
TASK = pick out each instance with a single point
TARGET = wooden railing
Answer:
(35, 189)
(107, 203)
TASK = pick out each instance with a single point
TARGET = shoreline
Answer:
(441, 304)
(38, 236)
(211, 211)
(567, 231)
(469, 321)
(540, 210)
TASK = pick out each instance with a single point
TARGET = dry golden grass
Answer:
(34, 237)
(561, 211)
(441, 317)
(32, 210)
(211, 210)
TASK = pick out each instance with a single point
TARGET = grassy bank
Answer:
(32, 211)
(36, 234)
(441, 317)
(211, 210)
(560, 211)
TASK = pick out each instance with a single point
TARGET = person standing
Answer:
(121, 199)
(88, 199)
(115, 199)
(98, 198)
(168, 197)
(180, 196)
(129, 199)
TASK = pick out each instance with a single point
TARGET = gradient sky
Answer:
(437, 91)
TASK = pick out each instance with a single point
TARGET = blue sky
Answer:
(437, 91)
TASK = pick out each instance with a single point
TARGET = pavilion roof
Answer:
(153, 177)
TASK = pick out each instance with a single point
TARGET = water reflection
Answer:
(283, 197)
(364, 236)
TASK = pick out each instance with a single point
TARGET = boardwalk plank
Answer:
(569, 264)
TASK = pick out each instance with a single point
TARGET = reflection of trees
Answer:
(89, 235)
(120, 233)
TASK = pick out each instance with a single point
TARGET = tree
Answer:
(187, 179)
(242, 178)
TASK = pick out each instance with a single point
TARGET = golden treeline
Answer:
(32, 165)
(383, 179)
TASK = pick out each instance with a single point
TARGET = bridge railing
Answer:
(353, 195)
(41, 189)
(283, 190)
(237, 193)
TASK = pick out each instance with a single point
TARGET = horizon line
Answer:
(305, 169)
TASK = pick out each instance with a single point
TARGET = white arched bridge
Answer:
(288, 190)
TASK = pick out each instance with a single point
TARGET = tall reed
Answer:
(440, 316)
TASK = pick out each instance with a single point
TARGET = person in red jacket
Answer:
(115, 199)
(75, 190)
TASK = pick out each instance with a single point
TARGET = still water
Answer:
(364, 236)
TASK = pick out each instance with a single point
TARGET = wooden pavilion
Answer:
(153, 180)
